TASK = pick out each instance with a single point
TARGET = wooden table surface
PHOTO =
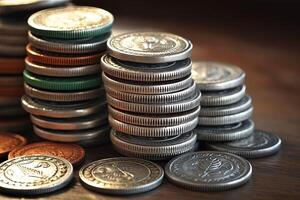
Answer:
(271, 62)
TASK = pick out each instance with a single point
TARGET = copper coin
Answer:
(11, 66)
(44, 57)
(71, 152)
(12, 91)
(10, 141)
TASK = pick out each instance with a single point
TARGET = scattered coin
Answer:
(10, 141)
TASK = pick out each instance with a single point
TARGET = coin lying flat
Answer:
(259, 144)
(208, 171)
(10, 141)
(71, 152)
(145, 72)
(225, 133)
(217, 76)
(33, 175)
(152, 148)
(149, 47)
(71, 22)
(121, 176)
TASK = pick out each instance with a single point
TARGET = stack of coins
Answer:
(13, 39)
(153, 100)
(63, 86)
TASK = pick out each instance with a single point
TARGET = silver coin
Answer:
(32, 175)
(78, 123)
(144, 131)
(208, 171)
(146, 72)
(225, 133)
(90, 45)
(62, 110)
(227, 119)
(231, 109)
(217, 76)
(223, 97)
(121, 176)
(72, 136)
(146, 87)
(153, 98)
(63, 96)
(149, 47)
(153, 120)
(15, 51)
(259, 144)
(176, 107)
(74, 71)
(152, 148)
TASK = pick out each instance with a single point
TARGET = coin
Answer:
(12, 51)
(176, 107)
(62, 110)
(121, 176)
(14, 91)
(9, 101)
(234, 108)
(11, 80)
(10, 26)
(13, 40)
(225, 133)
(71, 152)
(11, 65)
(152, 148)
(217, 76)
(227, 119)
(223, 97)
(259, 144)
(90, 45)
(149, 47)
(10, 141)
(60, 71)
(63, 96)
(71, 22)
(145, 131)
(146, 87)
(33, 175)
(145, 72)
(208, 171)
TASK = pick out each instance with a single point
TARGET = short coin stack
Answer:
(153, 101)
(13, 39)
(64, 92)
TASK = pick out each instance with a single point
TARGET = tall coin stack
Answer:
(13, 39)
(64, 92)
(153, 100)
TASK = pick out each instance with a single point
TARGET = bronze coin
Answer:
(11, 66)
(71, 152)
(10, 141)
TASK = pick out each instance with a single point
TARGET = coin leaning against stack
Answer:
(63, 87)
(13, 39)
(152, 100)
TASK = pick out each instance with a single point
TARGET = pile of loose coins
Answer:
(63, 87)
(153, 101)
(13, 39)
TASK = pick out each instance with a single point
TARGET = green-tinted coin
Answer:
(62, 84)
(71, 22)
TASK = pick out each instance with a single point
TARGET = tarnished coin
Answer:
(223, 97)
(227, 119)
(146, 72)
(71, 152)
(33, 175)
(137, 87)
(225, 133)
(62, 110)
(149, 47)
(10, 141)
(121, 176)
(217, 76)
(231, 109)
(259, 144)
(208, 171)
(152, 148)
(71, 22)
(145, 131)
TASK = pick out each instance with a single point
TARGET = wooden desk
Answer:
(273, 80)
